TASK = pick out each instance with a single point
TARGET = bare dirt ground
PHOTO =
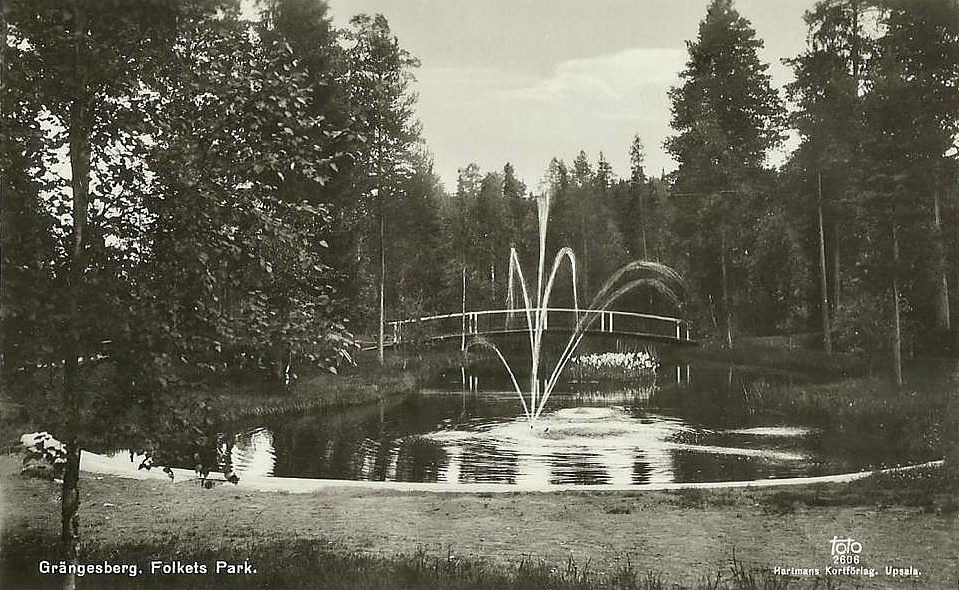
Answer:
(682, 535)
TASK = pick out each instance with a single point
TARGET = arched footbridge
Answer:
(625, 324)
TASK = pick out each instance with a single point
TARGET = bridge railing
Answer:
(505, 320)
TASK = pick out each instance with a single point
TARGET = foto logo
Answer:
(844, 551)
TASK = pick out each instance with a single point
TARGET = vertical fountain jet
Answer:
(657, 276)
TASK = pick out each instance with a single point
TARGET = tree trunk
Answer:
(3, 53)
(727, 312)
(642, 221)
(836, 267)
(463, 321)
(955, 268)
(897, 328)
(584, 267)
(79, 140)
(941, 300)
(382, 285)
(823, 287)
(70, 511)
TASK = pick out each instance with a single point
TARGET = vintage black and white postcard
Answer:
(479, 294)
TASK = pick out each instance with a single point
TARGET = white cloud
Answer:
(611, 80)
(489, 115)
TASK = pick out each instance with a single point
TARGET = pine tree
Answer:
(912, 112)
(829, 76)
(518, 208)
(726, 116)
(637, 194)
(379, 78)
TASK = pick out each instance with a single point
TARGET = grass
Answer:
(933, 489)
(746, 353)
(921, 417)
(366, 383)
(853, 408)
(298, 564)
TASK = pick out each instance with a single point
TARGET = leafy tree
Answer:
(182, 239)
(305, 26)
(779, 276)
(89, 56)
(27, 243)
(245, 256)
(458, 237)
(468, 181)
(637, 161)
(480, 227)
(580, 219)
(570, 219)
(558, 181)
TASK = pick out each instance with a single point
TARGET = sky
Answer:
(526, 80)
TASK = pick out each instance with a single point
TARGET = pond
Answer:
(689, 424)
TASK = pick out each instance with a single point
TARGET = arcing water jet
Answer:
(654, 275)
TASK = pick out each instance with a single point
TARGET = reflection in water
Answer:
(683, 430)
(420, 459)
(253, 454)
(611, 444)
(642, 469)
(578, 468)
(483, 463)
(576, 445)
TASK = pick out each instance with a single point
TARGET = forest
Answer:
(185, 188)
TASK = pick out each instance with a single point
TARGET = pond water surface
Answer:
(689, 424)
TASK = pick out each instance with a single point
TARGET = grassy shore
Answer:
(846, 398)
(356, 538)
(778, 355)
(27, 407)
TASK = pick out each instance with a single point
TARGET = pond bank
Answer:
(27, 410)
(365, 384)
(352, 537)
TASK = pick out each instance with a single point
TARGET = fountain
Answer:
(655, 275)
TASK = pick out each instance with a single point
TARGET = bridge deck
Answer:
(622, 324)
